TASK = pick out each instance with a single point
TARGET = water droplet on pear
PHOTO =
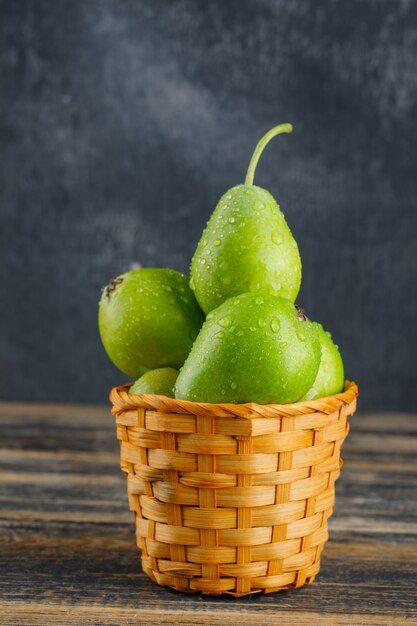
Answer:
(275, 324)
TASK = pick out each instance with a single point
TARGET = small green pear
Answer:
(330, 377)
(252, 348)
(247, 245)
(160, 382)
(148, 318)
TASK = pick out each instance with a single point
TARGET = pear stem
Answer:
(277, 130)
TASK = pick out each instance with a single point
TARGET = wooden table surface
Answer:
(67, 547)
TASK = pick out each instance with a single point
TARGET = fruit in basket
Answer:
(148, 318)
(247, 245)
(330, 377)
(252, 348)
(160, 382)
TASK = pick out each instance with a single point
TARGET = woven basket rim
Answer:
(122, 400)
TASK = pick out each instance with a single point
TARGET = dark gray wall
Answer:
(122, 122)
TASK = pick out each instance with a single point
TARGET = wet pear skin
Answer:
(160, 382)
(148, 318)
(255, 345)
(246, 246)
(253, 348)
(331, 376)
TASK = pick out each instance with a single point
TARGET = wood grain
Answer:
(68, 554)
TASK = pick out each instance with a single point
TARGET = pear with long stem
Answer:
(247, 245)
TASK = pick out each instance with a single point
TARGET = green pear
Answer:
(247, 245)
(252, 348)
(330, 377)
(148, 318)
(160, 382)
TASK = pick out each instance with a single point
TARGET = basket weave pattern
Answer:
(231, 498)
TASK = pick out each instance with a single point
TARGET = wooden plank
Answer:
(21, 614)
(67, 547)
(68, 562)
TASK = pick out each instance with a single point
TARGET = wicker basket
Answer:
(231, 498)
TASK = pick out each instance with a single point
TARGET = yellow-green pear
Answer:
(247, 245)
(330, 377)
(252, 348)
(148, 318)
(160, 382)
